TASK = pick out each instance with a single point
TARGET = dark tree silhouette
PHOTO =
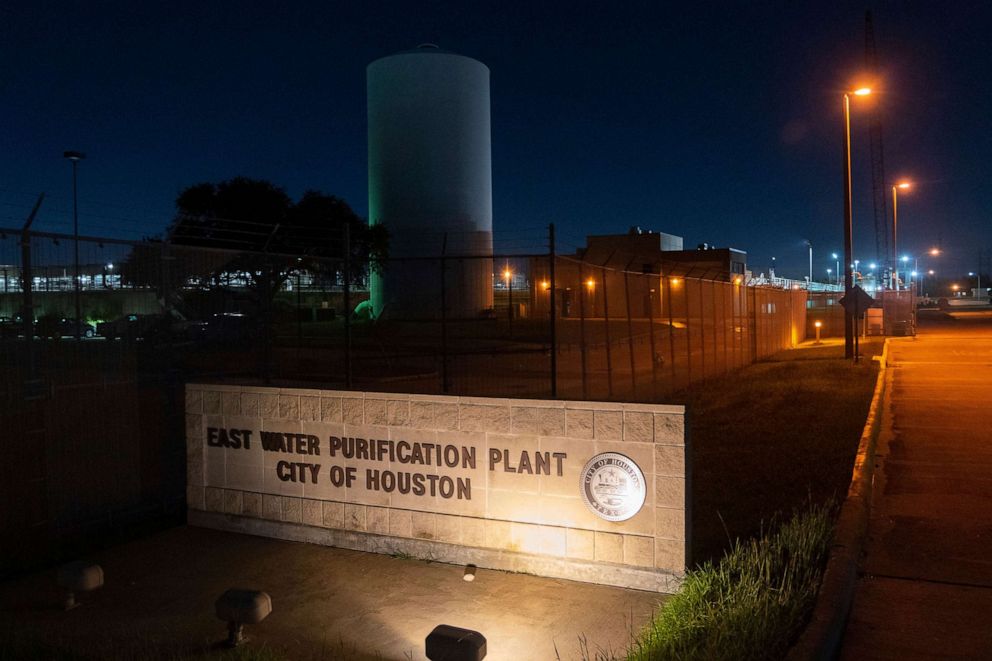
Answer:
(270, 236)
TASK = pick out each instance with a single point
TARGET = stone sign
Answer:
(584, 490)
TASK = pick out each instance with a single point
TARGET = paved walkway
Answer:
(327, 603)
(926, 581)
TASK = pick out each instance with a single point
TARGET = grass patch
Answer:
(752, 604)
(773, 437)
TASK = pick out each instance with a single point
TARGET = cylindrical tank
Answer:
(430, 182)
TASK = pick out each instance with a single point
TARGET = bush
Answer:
(752, 605)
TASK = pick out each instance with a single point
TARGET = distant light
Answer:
(738, 280)
(676, 281)
(935, 251)
(872, 266)
(545, 284)
(507, 274)
(862, 91)
(971, 273)
(914, 274)
(110, 266)
(905, 258)
(818, 324)
(930, 272)
(590, 283)
(954, 287)
(834, 255)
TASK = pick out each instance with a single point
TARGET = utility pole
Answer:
(75, 157)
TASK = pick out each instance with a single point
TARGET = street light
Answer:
(836, 266)
(905, 185)
(979, 285)
(848, 226)
(809, 244)
(75, 157)
(508, 276)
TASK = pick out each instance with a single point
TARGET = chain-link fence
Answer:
(555, 326)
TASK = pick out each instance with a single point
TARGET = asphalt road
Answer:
(925, 589)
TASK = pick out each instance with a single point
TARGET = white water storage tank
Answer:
(430, 182)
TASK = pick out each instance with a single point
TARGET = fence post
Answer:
(554, 330)
(26, 282)
(654, 351)
(671, 328)
(702, 328)
(753, 314)
(582, 334)
(688, 332)
(445, 385)
(347, 305)
(606, 321)
(630, 330)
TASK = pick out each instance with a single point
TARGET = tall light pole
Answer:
(848, 228)
(972, 274)
(905, 185)
(836, 266)
(75, 157)
(809, 244)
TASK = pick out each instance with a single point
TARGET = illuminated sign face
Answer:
(613, 486)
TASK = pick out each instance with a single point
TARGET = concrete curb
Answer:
(825, 631)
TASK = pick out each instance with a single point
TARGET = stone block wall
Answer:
(515, 496)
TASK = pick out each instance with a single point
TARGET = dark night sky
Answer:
(720, 123)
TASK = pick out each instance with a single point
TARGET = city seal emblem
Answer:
(613, 486)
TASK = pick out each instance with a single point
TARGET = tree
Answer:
(269, 237)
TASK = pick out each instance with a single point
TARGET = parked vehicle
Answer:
(224, 328)
(135, 327)
(54, 327)
(10, 327)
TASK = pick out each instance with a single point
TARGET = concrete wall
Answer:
(535, 521)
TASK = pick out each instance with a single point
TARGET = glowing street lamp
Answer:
(836, 266)
(848, 213)
(905, 185)
(508, 277)
(972, 274)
